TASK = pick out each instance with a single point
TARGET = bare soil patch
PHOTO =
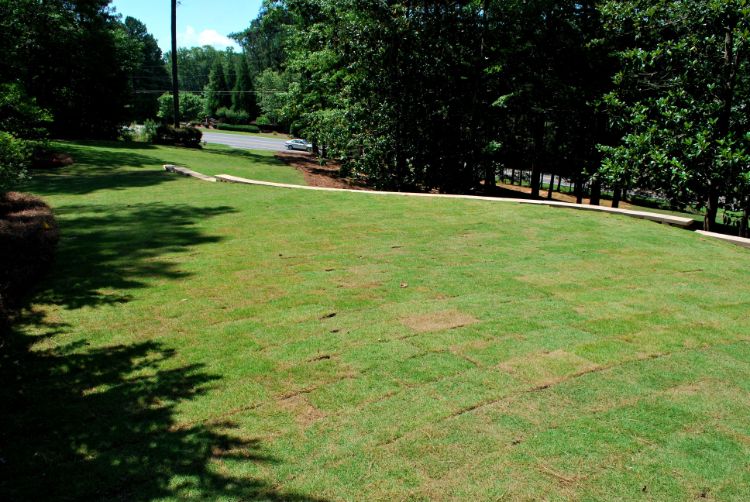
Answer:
(305, 414)
(328, 176)
(438, 321)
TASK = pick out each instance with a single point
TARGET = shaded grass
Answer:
(291, 344)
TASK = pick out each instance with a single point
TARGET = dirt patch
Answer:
(305, 414)
(327, 176)
(438, 321)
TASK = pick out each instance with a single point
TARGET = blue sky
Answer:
(199, 22)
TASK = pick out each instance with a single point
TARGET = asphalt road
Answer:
(245, 142)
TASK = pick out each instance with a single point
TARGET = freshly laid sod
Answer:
(226, 342)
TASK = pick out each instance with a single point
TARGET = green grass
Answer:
(226, 342)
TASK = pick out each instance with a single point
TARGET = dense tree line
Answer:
(625, 94)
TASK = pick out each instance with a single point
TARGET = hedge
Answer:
(237, 127)
(183, 136)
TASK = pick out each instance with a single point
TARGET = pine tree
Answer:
(243, 98)
(216, 90)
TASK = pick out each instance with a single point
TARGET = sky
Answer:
(199, 22)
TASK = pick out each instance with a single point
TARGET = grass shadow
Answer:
(84, 423)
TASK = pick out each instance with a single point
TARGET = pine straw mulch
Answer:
(327, 176)
(28, 238)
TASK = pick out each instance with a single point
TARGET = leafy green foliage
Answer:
(15, 155)
(216, 91)
(238, 127)
(681, 99)
(243, 96)
(22, 131)
(192, 107)
(231, 116)
(149, 73)
(183, 136)
(272, 90)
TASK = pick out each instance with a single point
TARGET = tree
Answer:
(216, 91)
(243, 97)
(175, 81)
(264, 41)
(150, 75)
(73, 58)
(192, 107)
(677, 101)
(272, 94)
(22, 130)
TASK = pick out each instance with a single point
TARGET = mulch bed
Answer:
(327, 176)
(28, 238)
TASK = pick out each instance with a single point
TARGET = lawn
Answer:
(226, 342)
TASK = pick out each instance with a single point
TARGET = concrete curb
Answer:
(739, 241)
(659, 218)
(184, 171)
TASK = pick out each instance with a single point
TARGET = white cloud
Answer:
(191, 37)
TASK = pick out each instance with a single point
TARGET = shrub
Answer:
(230, 116)
(148, 133)
(237, 127)
(263, 121)
(15, 155)
(189, 137)
(28, 237)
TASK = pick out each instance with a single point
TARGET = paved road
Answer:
(245, 142)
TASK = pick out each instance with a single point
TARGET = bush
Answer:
(230, 116)
(15, 155)
(240, 128)
(148, 133)
(28, 237)
(263, 121)
(191, 107)
(189, 137)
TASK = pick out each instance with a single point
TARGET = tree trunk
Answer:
(536, 168)
(535, 175)
(559, 182)
(616, 194)
(596, 192)
(489, 176)
(551, 186)
(712, 202)
(744, 231)
(513, 176)
(175, 83)
(578, 191)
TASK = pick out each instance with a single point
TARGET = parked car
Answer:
(298, 144)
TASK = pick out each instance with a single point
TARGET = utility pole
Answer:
(175, 83)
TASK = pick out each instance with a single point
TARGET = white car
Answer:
(298, 144)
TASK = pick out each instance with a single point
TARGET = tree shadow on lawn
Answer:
(106, 250)
(98, 424)
(97, 168)
(82, 422)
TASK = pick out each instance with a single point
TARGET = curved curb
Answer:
(677, 221)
